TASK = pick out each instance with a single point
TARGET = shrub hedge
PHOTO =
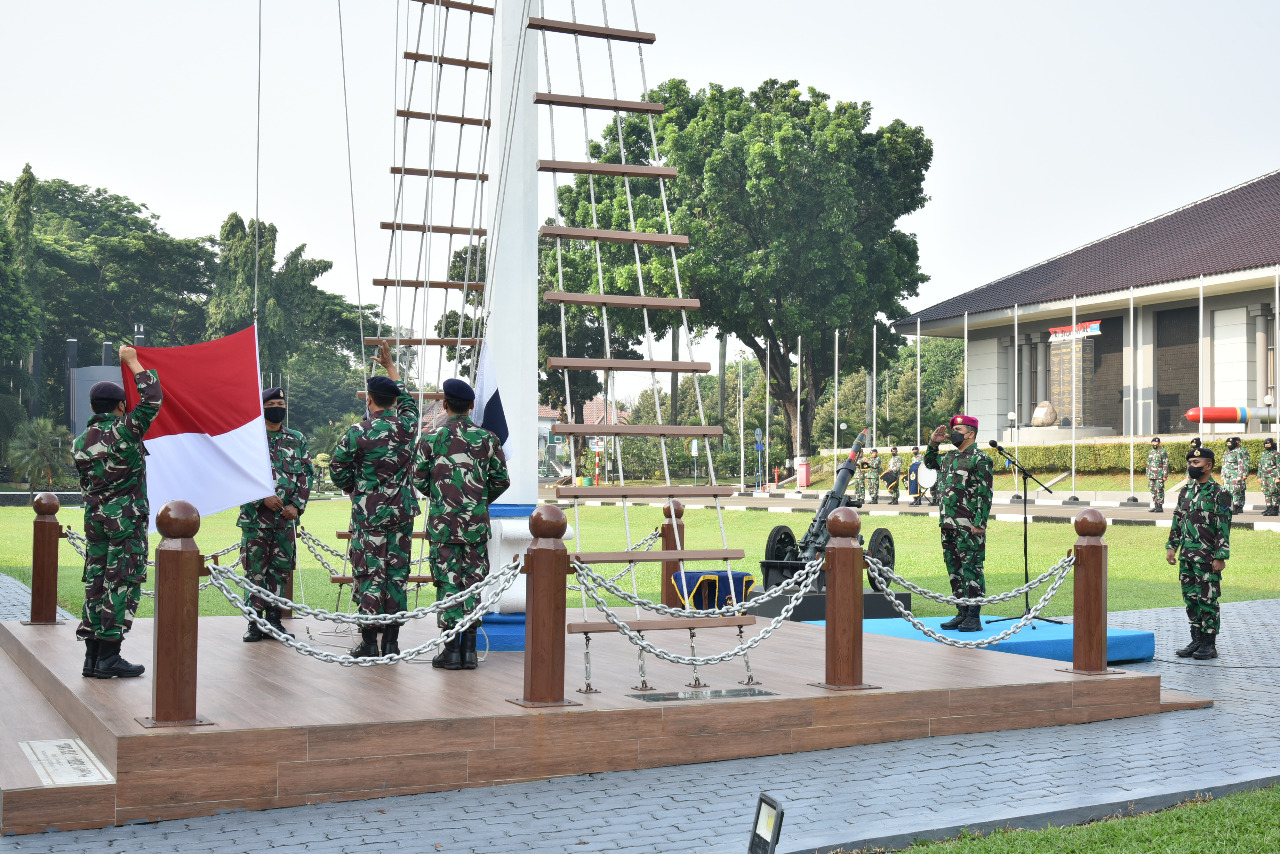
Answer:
(1113, 458)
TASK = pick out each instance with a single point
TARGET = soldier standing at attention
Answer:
(964, 484)
(1200, 545)
(373, 463)
(1269, 476)
(112, 465)
(1157, 472)
(895, 469)
(874, 467)
(462, 470)
(1235, 472)
(860, 479)
(915, 456)
(267, 539)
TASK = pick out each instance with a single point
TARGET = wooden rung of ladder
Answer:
(446, 60)
(587, 167)
(662, 624)
(589, 103)
(417, 535)
(591, 31)
(559, 363)
(466, 231)
(638, 492)
(440, 173)
(644, 238)
(425, 342)
(635, 430)
(412, 579)
(620, 301)
(441, 117)
(657, 555)
(418, 395)
(418, 283)
(460, 6)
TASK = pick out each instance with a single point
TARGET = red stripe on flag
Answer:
(210, 388)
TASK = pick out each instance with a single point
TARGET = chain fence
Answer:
(643, 545)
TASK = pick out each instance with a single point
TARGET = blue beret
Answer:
(275, 393)
(458, 390)
(106, 391)
(1200, 454)
(383, 387)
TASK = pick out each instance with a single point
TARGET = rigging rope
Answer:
(257, 171)
(351, 190)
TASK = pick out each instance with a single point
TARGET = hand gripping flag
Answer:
(488, 409)
(208, 445)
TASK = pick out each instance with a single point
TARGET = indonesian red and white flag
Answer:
(208, 445)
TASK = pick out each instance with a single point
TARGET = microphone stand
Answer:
(1026, 564)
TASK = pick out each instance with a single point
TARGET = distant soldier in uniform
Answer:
(1235, 472)
(964, 482)
(112, 464)
(874, 466)
(915, 457)
(895, 469)
(1269, 476)
(1200, 545)
(373, 463)
(268, 542)
(1157, 473)
(462, 470)
(860, 478)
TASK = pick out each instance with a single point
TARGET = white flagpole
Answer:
(795, 462)
(1275, 347)
(835, 408)
(965, 406)
(1075, 349)
(875, 392)
(742, 431)
(1017, 359)
(917, 382)
(1200, 373)
(1133, 397)
(768, 356)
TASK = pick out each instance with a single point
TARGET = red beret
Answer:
(964, 420)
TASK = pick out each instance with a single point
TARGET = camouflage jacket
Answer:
(373, 463)
(895, 463)
(292, 469)
(1269, 468)
(111, 461)
(1202, 522)
(964, 486)
(1157, 464)
(462, 470)
(1235, 465)
(874, 466)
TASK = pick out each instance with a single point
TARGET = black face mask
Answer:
(274, 414)
(956, 438)
(1199, 472)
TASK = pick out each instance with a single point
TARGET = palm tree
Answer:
(38, 449)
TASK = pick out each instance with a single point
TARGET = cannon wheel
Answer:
(880, 548)
(781, 544)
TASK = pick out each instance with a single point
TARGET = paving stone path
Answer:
(886, 794)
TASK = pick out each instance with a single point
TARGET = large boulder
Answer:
(1045, 415)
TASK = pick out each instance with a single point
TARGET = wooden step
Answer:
(418, 283)
(425, 342)
(637, 492)
(461, 7)
(619, 301)
(644, 238)
(635, 430)
(590, 31)
(589, 103)
(441, 117)
(587, 167)
(659, 555)
(446, 60)
(435, 229)
(662, 624)
(412, 579)
(557, 363)
(440, 173)
(418, 395)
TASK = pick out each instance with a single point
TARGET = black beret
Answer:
(106, 391)
(1200, 454)
(275, 393)
(383, 387)
(458, 390)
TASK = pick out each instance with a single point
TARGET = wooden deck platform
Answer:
(288, 730)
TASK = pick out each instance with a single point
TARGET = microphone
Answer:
(993, 443)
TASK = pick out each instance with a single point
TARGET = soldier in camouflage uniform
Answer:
(964, 483)
(1157, 473)
(111, 461)
(462, 470)
(860, 479)
(895, 469)
(1269, 476)
(373, 463)
(1200, 545)
(268, 543)
(874, 466)
(1235, 472)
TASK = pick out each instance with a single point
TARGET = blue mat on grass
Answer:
(504, 631)
(1046, 640)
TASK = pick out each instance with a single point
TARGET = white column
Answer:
(835, 405)
(1028, 380)
(1042, 367)
(1203, 366)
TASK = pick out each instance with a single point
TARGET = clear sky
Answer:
(1054, 123)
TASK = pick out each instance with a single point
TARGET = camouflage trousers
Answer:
(964, 553)
(873, 486)
(1236, 488)
(859, 486)
(1271, 491)
(1201, 587)
(458, 566)
(380, 566)
(114, 568)
(269, 555)
(1157, 489)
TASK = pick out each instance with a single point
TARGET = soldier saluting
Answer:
(462, 470)
(112, 464)
(1157, 472)
(964, 484)
(1200, 544)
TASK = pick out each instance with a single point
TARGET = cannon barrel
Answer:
(815, 539)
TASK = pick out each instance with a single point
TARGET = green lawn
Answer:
(1139, 576)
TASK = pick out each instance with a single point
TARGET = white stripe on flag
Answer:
(214, 473)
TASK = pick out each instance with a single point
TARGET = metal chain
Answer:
(316, 545)
(644, 545)
(886, 574)
(80, 544)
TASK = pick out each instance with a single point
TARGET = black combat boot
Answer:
(916, 503)
(962, 611)
(1272, 510)
(368, 646)
(1189, 649)
(90, 656)
(110, 663)
(1160, 507)
(1208, 647)
(876, 500)
(1154, 508)
(450, 658)
(273, 617)
(893, 499)
(391, 639)
(972, 621)
(468, 649)
(254, 634)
